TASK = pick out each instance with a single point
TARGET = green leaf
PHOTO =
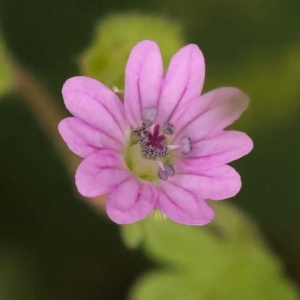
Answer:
(115, 36)
(165, 285)
(271, 80)
(132, 235)
(227, 259)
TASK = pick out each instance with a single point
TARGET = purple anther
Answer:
(149, 114)
(166, 173)
(186, 145)
(162, 174)
(170, 170)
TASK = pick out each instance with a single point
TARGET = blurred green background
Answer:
(55, 246)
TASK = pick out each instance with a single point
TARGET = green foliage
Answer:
(5, 72)
(115, 36)
(132, 235)
(228, 259)
(272, 83)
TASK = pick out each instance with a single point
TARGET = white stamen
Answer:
(151, 128)
(149, 114)
(161, 165)
(186, 145)
(173, 147)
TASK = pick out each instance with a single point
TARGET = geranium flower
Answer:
(165, 147)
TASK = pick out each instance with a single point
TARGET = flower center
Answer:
(151, 141)
(153, 144)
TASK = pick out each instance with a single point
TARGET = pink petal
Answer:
(183, 205)
(183, 82)
(217, 150)
(211, 113)
(85, 140)
(95, 104)
(143, 79)
(99, 173)
(131, 201)
(214, 184)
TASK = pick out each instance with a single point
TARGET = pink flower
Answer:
(165, 147)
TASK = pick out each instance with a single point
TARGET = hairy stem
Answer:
(48, 114)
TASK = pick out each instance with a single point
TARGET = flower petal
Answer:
(211, 113)
(85, 140)
(92, 102)
(143, 79)
(99, 173)
(183, 82)
(131, 201)
(214, 184)
(183, 205)
(217, 150)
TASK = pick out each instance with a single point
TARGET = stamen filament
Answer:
(161, 165)
(173, 147)
(151, 128)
